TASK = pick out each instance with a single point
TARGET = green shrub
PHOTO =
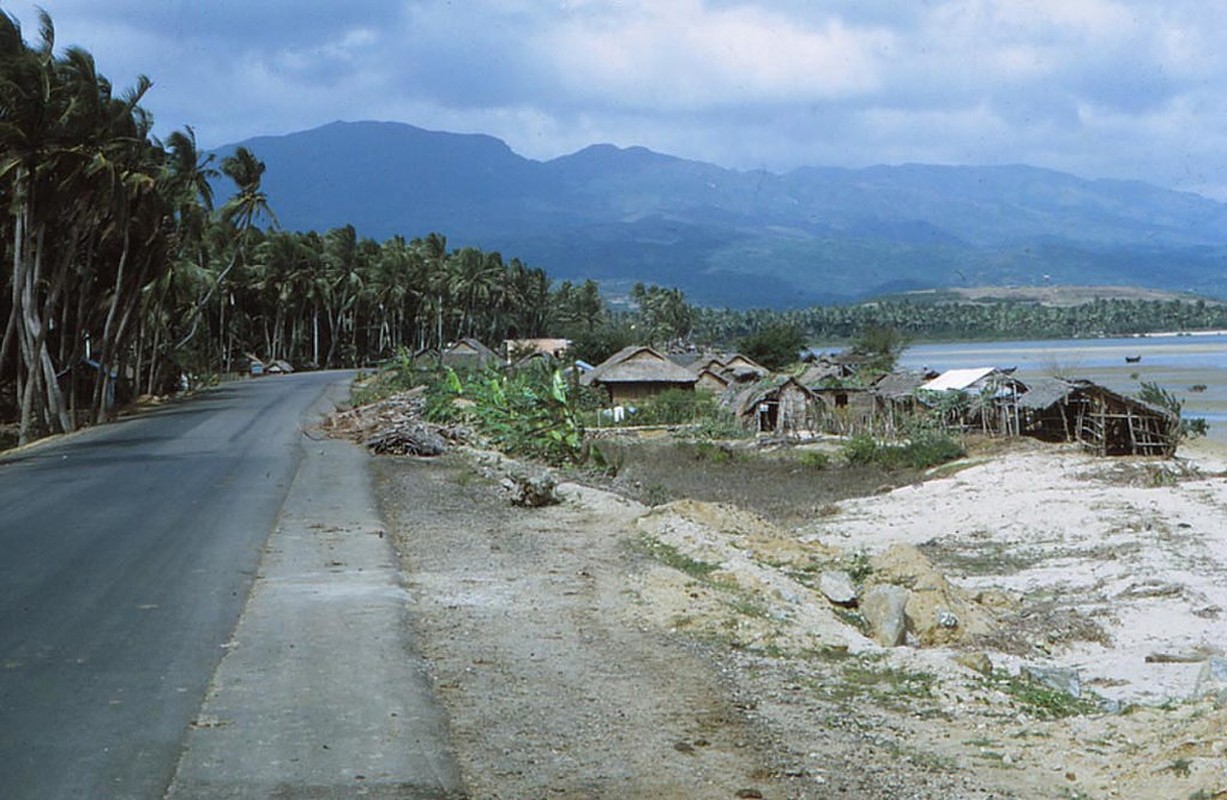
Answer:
(931, 449)
(861, 450)
(925, 449)
(815, 459)
(531, 413)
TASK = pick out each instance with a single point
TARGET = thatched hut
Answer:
(714, 381)
(781, 405)
(1103, 421)
(468, 354)
(638, 373)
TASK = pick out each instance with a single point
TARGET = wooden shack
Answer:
(780, 405)
(991, 396)
(1103, 421)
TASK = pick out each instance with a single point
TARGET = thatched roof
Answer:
(638, 364)
(1045, 392)
(743, 399)
(523, 347)
(895, 385)
(470, 348)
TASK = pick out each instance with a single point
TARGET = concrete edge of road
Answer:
(320, 693)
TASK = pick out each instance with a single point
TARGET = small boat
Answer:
(1132, 359)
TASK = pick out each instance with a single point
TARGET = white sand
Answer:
(1144, 556)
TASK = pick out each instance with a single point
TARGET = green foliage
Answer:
(926, 448)
(880, 346)
(528, 414)
(999, 319)
(664, 315)
(1040, 701)
(815, 459)
(597, 344)
(706, 451)
(670, 556)
(397, 375)
(1156, 395)
(677, 407)
(775, 346)
(861, 450)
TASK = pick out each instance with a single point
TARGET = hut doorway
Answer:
(768, 416)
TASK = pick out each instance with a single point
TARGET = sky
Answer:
(1132, 89)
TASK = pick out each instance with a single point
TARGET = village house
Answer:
(990, 395)
(894, 399)
(468, 354)
(638, 373)
(1103, 421)
(516, 350)
(779, 405)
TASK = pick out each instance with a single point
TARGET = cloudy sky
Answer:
(1099, 88)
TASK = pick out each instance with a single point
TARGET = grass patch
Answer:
(866, 678)
(1042, 702)
(670, 556)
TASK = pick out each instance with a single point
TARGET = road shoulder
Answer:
(320, 693)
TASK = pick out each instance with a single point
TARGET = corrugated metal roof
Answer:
(956, 379)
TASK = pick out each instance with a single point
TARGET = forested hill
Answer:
(745, 239)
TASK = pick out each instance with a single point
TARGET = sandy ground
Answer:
(600, 648)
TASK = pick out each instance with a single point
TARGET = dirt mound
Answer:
(938, 612)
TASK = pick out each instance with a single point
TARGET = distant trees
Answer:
(775, 346)
(969, 321)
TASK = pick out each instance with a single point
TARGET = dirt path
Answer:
(552, 687)
(594, 649)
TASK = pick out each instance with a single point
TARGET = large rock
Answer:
(884, 607)
(837, 586)
(938, 612)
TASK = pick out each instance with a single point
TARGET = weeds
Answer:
(1041, 701)
(814, 459)
(925, 449)
(670, 556)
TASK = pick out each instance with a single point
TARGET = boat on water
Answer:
(1132, 359)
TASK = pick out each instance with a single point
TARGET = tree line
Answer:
(955, 321)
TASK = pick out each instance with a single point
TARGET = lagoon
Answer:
(1177, 363)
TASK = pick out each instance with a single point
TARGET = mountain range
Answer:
(745, 238)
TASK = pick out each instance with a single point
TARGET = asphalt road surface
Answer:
(126, 554)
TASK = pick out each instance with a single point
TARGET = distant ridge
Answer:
(745, 239)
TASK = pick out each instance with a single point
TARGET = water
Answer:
(1176, 363)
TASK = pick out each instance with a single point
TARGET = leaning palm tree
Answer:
(240, 212)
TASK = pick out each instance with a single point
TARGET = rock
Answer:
(535, 491)
(1212, 681)
(884, 607)
(976, 662)
(838, 587)
(1059, 679)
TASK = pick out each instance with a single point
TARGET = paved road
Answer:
(126, 553)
